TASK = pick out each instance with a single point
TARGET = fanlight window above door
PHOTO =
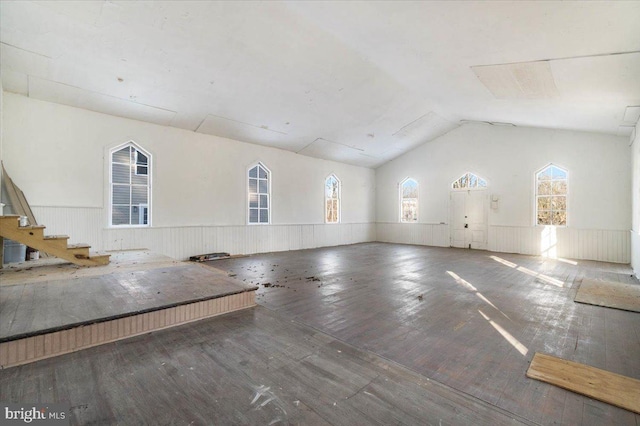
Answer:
(469, 181)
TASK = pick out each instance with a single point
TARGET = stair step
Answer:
(79, 251)
(78, 246)
(9, 221)
(93, 260)
(59, 241)
(35, 230)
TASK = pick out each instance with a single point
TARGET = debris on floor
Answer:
(209, 256)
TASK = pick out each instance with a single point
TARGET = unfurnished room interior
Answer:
(320, 212)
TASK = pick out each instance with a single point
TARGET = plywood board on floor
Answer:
(609, 294)
(615, 389)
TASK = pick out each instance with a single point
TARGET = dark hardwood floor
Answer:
(365, 334)
(471, 320)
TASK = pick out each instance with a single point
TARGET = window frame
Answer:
(269, 197)
(401, 199)
(339, 198)
(535, 195)
(134, 172)
(468, 176)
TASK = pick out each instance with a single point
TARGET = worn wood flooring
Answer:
(71, 296)
(366, 334)
(250, 367)
(471, 320)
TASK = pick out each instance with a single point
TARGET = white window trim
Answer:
(400, 199)
(269, 196)
(149, 185)
(535, 195)
(339, 199)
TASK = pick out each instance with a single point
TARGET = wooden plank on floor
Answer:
(609, 294)
(612, 388)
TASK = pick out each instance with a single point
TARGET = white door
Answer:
(469, 219)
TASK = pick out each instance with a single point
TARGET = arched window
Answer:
(130, 180)
(259, 189)
(469, 181)
(332, 199)
(551, 196)
(409, 200)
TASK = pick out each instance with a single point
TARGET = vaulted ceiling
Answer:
(356, 82)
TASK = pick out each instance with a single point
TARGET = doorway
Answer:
(469, 211)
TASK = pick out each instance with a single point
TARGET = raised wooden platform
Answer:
(52, 308)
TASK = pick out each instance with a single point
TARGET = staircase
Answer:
(55, 245)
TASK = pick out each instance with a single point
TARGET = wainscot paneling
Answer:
(86, 225)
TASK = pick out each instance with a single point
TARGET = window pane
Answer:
(121, 194)
(482, 183)
(139, 195)
(544, 188)
(264, 201)
(136, 211)
(544, 218)
(558, 173)
(121, 156)
(139, 180)
(545, 174)
(559, 187)
(141, 159)
(331, 188)
(120, 215)
(253, 173)
(409, 210)
(262, 173)
(559, 203)
(544, 203)
(253, 186)
(473, 181)
(120, 173)
(253, 215)
(264, 216)
(463, 181)
(253, 200)
(456, 185)
(262, 186)
(559, 218)
(410, 189)
(141, 170)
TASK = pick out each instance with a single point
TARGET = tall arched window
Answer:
(259, 189)
(332, 199)
(130, 180)
(551, 196)
(409, 200)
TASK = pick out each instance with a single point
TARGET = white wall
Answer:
(599, 167)
(56, 154)
(635, 197)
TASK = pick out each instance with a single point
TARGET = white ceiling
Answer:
(356, 82)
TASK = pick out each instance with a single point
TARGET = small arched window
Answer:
(259, 188)
(409, 200)
(130, 181)
(469, 181)
(551, 196)
(332, 199)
